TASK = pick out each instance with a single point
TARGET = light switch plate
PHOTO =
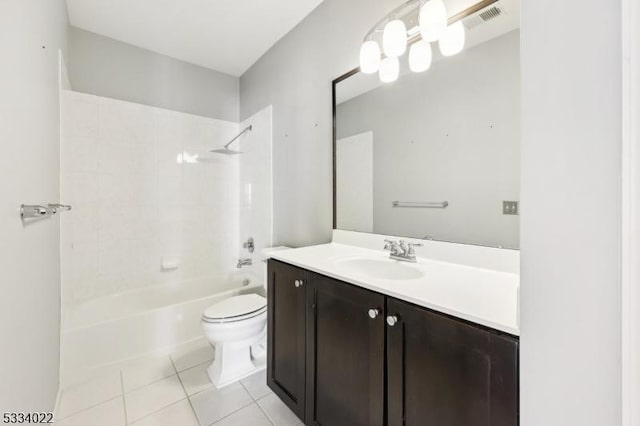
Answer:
(510, 207)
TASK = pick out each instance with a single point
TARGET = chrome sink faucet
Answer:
(401, 250)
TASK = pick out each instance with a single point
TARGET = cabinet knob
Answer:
(373, 313)
(392, 320)
(298, 283)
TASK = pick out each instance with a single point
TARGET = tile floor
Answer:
(172, 390)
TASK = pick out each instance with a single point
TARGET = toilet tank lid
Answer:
(236, 306)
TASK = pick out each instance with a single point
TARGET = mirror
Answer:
(436, 155)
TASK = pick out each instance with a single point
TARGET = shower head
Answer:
(226, 150)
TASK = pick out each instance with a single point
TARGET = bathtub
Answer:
(108, 331)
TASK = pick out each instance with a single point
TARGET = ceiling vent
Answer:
(490, 13)
(485, 15)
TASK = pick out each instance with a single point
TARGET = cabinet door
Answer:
(446, 372)
(345, 354)
(286, 334)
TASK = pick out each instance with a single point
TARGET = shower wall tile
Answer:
(80, 118)
(125, 157)
(128, 122)
(138, 195)
(79, 154)
(80, 190)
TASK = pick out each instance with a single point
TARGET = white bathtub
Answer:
(108, 331)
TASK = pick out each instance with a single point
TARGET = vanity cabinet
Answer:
(343, 355)
(447, 372)
(286, 347)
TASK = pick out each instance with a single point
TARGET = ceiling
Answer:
(224, 35)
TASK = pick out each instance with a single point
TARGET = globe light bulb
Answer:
(420, 56)
(394, 38)
(369, 57)
(389, 69)
(433, 20)
(452, 40)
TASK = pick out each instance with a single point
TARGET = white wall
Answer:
(256, 187)
(449, 134)
(31, 34)
(570, 233)
(106, 67)
(137, 199)
(631, 212)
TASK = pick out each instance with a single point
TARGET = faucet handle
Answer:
(412, 247)
(388, 244)
(244, 262)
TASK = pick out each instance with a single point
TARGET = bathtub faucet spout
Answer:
(244, 262)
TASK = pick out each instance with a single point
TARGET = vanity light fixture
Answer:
(415, 23)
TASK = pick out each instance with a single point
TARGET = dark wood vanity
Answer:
(341, 355)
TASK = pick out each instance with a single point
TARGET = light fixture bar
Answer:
(455, 18)
(416, 37)
(396, 11)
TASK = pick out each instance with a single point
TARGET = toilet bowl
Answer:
(237, 327)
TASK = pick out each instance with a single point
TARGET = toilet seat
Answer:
(236, 308)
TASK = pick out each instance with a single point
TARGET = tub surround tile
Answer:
(79, 115)
(251, 415)
(89, 394)
(129, 121)
(192, 354)
(80, 190)
(277, 411)
(128, 154)
(80, 269)
(79, 155)
(110, 413)
(215, 404)
(153, 397)
(178, 414)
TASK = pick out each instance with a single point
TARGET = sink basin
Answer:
(386, 269)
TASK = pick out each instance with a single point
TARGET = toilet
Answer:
(237, 327)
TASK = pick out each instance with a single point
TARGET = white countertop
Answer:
(484, 296)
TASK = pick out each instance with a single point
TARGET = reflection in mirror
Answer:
(436, 154)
